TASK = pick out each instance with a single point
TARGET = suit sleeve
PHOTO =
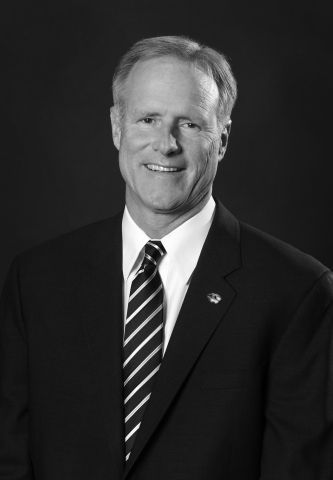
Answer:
(298, 440)
(15, 462)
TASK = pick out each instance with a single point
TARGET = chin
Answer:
(162, 205)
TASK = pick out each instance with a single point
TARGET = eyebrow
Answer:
(146, 113)
(154, 114)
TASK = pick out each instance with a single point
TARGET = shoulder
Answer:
(73, 249)
(268, 270)
(262, 250)
(275, 269)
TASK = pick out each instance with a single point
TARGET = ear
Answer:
(224, 139)
(116, 126)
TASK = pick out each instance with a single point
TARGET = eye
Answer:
(190, 125)
(147, 120)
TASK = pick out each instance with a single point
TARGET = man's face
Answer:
(169, 138)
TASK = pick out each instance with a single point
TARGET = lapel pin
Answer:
(214, 297)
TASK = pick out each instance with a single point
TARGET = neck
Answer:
(158, 224)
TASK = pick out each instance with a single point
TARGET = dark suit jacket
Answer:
(245, 390)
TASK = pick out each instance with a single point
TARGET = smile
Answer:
(159, 168)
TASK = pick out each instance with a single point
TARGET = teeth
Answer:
(159, 168)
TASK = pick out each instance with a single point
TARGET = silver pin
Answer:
(214, 297)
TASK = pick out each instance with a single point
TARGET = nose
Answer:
(166, 142)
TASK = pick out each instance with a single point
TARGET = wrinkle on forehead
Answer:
(163, 73)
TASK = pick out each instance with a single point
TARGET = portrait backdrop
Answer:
(59, 168)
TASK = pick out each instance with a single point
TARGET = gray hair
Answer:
(210, 61)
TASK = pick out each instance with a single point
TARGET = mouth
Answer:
(153, 167)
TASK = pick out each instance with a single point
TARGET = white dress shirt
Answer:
(183, 247)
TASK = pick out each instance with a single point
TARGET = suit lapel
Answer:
(100, 299)
(196, 323)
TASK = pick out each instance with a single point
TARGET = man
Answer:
(173, 341)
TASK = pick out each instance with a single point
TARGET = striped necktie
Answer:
(143, 340)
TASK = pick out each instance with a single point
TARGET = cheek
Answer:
(205, 156)
(134, 141)
(124, 166)
(207, 163)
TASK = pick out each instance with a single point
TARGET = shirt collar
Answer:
(183, 245)
(134, 239)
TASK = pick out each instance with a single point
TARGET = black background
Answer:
(58, 165)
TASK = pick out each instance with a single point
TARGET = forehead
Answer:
(169, 81)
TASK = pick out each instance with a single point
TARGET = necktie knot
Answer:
(154, 251)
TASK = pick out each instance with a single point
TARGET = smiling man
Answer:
(170, 141)
(170, 342)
